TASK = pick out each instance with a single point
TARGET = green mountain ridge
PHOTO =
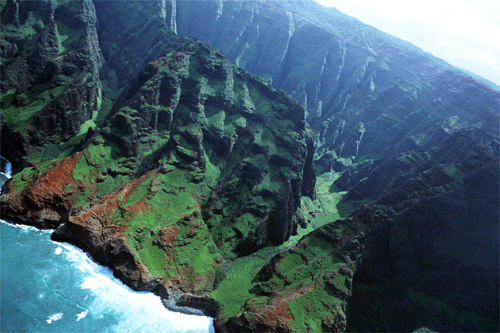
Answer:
(194, 179)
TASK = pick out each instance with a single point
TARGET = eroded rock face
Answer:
(216, 119)
(405, 130)
(198, 159)
(306, 287)
(50, 76)
(186, 175)
(365, 93)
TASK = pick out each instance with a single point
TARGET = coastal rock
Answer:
(192, 178)
(183, 172)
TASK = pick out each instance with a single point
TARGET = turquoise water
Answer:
(55, 287)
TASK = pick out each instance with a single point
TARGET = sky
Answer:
(465, 33)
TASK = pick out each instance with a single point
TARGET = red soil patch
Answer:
(196, 197)
(294, 293)
(132, 186)
(98, 215)
(168, 235)
(178, 54)
(139, 206)
(109, 206)
(276, 314)
(56, 178)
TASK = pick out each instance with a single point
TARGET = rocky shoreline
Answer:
(192, 304)
(185, 303)
(190, 177)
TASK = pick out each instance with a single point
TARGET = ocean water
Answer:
(55, 287)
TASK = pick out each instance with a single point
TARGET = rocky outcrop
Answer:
(307, 286)
(192, 178)
(198, 161)
(405, 130)
(349, 75)
(50, 76)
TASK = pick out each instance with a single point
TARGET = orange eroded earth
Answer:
(276, 314)
(107, 207)
(54, 181)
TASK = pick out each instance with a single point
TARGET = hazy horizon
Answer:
(465, 33)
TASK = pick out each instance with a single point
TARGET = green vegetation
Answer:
(197, 167)
(233, 291)
(238, 288)
(311, 310)
(329, 200)
(69, 38)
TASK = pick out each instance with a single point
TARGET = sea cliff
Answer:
(353, 179)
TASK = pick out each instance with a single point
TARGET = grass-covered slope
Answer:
(190, 177)
(197, 163)
(396, 127)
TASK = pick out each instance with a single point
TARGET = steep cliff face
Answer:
(198, 161)
(191, 177)
(50, 77)
(306, 286)
(443, 240)
(366, 93)
(400, 129)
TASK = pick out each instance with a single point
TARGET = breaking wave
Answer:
(49, 286)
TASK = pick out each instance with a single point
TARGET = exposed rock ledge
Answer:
(192, 304)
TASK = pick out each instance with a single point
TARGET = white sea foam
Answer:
(101, 298)
(138, 311)
(7, 171)
(26, 228)
(155, 316)
(8, 176)
(66, 246)
(81, 315)
(54, 317)
(91, 283)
